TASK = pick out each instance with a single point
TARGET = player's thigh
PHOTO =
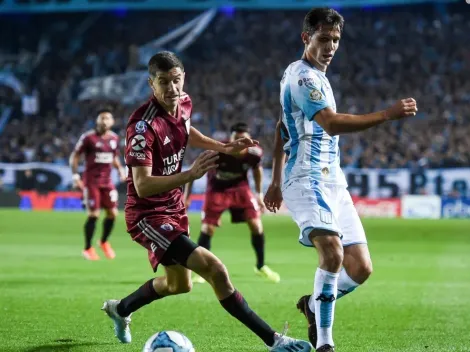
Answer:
(215, 204)
(92, 199)
(109, 198)
(312, 206)
(350, 223)
(178, 278)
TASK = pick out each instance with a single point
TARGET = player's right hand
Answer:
(402, 108)
(205, 161)
(273, 198)
(78, 184)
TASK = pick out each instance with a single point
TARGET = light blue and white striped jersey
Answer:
(311, 152)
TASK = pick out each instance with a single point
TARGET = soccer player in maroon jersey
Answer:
(100, 147)
(228, 189)
(157, 135)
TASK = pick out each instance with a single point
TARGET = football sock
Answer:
(89, 231)
(204, 241)
(258, 244)
(324, 293)
(144, 295)
(236, 305)
(108, 224)
(345, 285)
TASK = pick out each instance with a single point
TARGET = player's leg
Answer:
(91, 199)
(207, 232)
(109, 197)
(258, 242)
(176, 281)
(214, 271)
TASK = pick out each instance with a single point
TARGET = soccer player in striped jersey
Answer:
(314, 188)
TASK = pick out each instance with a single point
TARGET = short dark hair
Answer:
(163, 61)
(104, 109)
(240, 127)
(319, 16)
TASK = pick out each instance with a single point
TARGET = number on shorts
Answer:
(113, 196)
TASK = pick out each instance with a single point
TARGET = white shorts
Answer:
(316, 205)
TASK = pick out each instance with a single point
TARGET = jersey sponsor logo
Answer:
(138, 142)
(137, 155)
(103, 158)
(167, 227)
(171, 163)
(309, 82)
(113, 144)
(315, 95)
(141, 127)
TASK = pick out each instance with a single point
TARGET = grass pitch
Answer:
(50, 298)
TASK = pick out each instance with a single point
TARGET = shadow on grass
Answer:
(63, 345)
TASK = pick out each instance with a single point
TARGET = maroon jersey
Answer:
(99, 151)
(157, 140)
(232, 171)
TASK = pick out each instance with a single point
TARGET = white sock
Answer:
(324, 299)
(345, 285)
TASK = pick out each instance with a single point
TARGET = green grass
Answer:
(50, 298)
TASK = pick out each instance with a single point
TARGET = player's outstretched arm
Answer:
(198, 140)
(334, 123)
(273, 197)
(188, 188)
(147, 185)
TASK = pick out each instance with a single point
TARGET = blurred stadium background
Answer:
(62, 59)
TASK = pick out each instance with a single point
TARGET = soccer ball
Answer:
(168, 341)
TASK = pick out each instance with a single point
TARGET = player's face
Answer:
(168, 86)
(104, 121)
(322, 45)
(237, 135)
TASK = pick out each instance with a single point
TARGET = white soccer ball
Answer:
(168, 341)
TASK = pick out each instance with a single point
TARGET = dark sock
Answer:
(236, 305)
(89, 231)
(258, 244)
(144, 295)
(204, 241)
(108, 224)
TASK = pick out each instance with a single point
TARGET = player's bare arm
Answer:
(198, 140)
(273, 197)
(147, 185)
(122, 171)
(334, 123)
(258, 178)
(187, 194)
(74, 161)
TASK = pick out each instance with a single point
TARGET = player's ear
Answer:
(305, 38)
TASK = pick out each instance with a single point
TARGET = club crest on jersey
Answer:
(315, 95)
(141, 127)
(138, 142)
(113, 144)
(167, 227)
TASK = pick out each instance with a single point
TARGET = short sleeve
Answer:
(81, 145)
(140, 139)
(306, 93)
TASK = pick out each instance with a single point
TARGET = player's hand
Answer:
(122, 176)
(402, 108)
(205, 161)
(78, 184)
(260, 201)
(238, 145)
(273, 198)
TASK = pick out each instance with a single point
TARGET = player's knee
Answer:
(178, 288)
(365, 271)
(218, 273)
(330, 251)
(256, 226)
(208, 229)
(111, 213)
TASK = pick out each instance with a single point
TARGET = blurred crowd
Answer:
(233, 73)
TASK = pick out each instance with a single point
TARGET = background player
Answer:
(228, 189)
(314, 188)
(100, 147)
(156, 138)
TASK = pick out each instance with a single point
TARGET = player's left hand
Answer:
(122, 176)
(238, 145)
